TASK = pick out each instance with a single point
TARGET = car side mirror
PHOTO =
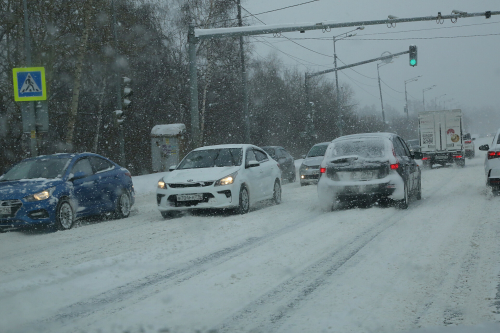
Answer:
(172, 167)
(252, 164)
(78, 175)
(484, 147)
(417, 155)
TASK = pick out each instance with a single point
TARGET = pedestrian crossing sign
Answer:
(29, 84)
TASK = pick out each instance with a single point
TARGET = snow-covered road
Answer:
(285, 268)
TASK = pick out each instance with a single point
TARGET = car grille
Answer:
(14, 205)
(184, 185)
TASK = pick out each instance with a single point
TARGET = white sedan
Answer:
(224, 176)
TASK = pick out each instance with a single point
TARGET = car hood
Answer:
(18, 189)
(199, 175)
(312, 161)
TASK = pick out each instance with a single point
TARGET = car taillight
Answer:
(493, 154)
(394, 166)
(469, 141)
(425, 158)
(458, 156)
(128, 174)
(322, 170)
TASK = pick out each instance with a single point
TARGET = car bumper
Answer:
(309, 176)
(219, 197)
(391, 187)
(29, 213)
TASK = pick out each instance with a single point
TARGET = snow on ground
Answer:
(284, 268)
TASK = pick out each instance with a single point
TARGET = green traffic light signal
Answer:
(413, 55)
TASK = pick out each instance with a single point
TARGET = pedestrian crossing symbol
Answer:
(29, 84)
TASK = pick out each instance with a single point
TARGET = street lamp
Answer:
(406, 95)
(335, 38)
(423, 94)
(436, 98)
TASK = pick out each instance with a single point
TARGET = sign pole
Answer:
(30, 105)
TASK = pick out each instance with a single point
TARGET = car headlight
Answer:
(162, 184)
(226, 180)
(303, 167)
(44, 195)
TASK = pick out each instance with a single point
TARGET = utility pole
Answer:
(380, 89)
(406, 95)
(244, 84)
(30, 106)
(121, 137)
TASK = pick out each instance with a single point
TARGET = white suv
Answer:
(492, 162)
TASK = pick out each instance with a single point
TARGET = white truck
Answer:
(441, 137)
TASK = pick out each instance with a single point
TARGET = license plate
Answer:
(361, 175)
(315, 172)
(4, 210)
(189, 197)
(441, 157)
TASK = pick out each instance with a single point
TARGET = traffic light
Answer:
(413, 55)
(119, 117)
(126, 93)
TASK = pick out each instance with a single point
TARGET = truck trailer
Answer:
(441, 137)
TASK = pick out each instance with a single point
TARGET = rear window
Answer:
(363, 148)
(318, 150)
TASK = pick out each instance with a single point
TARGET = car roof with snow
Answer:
(226, 146)
(365, 136)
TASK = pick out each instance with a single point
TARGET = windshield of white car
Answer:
(363, 148)
(318, 150)
(210, 158)
(39, 168)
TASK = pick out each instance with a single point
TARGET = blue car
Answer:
(59, 189)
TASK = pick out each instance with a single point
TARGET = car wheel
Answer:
(244, 206)
(403, 204)
(65, 217)
(277, 192)
(122, 206)
(302, 184)
(2, 231)
(419, 190)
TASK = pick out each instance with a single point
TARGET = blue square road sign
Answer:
(29, 84)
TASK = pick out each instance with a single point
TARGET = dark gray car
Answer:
(285, 161)
(309, 169)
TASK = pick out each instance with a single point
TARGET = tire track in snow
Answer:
(453, 307)
(165, 279)
(287, 296)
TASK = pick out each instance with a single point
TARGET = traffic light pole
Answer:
(196, 35)
(121, 137)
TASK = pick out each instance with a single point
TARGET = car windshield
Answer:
(38, 168)
(210, 158)
(318, 150)
(364, 148)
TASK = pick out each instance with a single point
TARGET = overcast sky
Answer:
(467, 70)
